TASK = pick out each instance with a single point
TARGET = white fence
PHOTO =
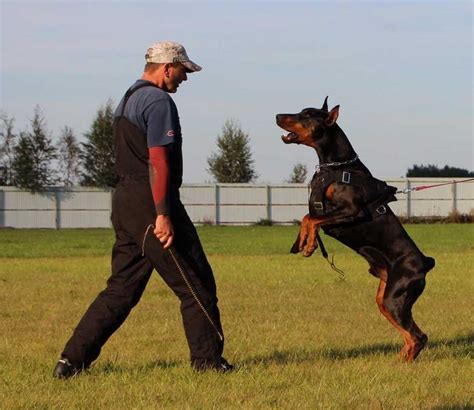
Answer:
(226, 204)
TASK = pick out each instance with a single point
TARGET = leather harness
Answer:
(374, 192)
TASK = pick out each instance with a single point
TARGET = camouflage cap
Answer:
(170, 52)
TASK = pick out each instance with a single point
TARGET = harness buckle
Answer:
(346, 177)
(318, 205)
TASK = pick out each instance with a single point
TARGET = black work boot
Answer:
(64, 369)
(225, 366)
(221, 365)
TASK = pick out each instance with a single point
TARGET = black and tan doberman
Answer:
(351, 206)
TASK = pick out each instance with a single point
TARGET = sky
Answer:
(401, 72)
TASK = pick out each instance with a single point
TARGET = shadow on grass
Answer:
(281, 357)
(460, 346)
(113, 367)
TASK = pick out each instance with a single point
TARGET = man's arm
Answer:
(159, 182)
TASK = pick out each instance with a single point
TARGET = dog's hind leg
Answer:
(405, 283)
(379, 298)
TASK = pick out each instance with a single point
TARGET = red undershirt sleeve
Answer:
(159, 178)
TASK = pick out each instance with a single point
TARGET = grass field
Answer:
(300, 337)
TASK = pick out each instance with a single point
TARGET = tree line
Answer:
(31, 160)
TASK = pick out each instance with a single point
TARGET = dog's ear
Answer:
(332, 117)
(325, 105)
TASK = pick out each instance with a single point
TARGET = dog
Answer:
(349, 204)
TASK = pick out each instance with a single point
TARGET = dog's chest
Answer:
(317, 203)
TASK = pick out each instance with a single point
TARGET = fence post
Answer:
(408, 199)
(2, 208)
(269, 202)
(57, 202)
(455, 197)
(217, 204)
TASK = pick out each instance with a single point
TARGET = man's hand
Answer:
(164, 230)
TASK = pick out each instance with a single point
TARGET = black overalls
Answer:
(137, 252)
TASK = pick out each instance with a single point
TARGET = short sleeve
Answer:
(162, 123)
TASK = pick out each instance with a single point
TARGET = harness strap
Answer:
(130, 91)
(321, 246)
(372, 190)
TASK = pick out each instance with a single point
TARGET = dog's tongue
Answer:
(289, 138)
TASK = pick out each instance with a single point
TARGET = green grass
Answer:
(300, 337)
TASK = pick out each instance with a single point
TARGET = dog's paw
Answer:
(309, 250)
(298, 245)
(295, 248)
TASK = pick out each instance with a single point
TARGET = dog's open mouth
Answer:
(290, 138)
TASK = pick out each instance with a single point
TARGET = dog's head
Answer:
(309, 126)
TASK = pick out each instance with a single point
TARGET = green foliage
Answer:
(432, 171)
(33, 155)
(69, 157)
(98, 156)
(298, 174)
(264, 222)
(7, 145)
(233, 162)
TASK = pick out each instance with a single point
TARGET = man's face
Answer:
(176, 75)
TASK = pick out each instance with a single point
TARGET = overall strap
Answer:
(131, 90)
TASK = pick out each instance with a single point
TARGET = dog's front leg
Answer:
(306, 241)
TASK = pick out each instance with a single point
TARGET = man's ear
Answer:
(332, 117)
(325, 105)
(166, 68)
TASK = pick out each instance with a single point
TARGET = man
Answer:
(152, 228)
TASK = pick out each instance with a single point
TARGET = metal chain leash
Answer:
(187, 282)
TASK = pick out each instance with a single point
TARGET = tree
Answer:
(33, 156)
(69, 157)
(98, 154)
(298, 175)
(7, 145)
(434, 171)
(233, 162)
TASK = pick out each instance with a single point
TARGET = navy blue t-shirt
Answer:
(154, 112)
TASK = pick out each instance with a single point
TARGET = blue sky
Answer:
(400, 70)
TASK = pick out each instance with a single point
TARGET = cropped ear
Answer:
(332, 117)
(325, 105)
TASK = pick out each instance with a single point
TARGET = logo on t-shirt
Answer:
(170, 133)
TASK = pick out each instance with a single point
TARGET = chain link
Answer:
(336, 164)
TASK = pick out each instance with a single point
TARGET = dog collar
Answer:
(336, 164)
